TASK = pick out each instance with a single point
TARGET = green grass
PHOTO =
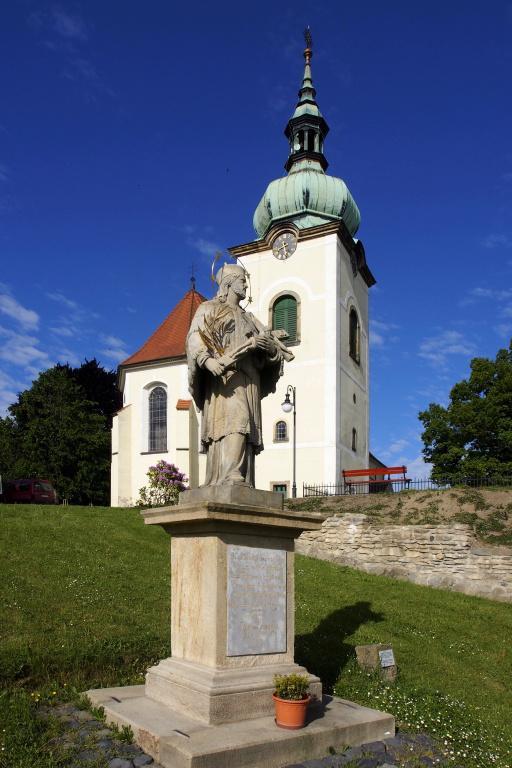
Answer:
(85, 602)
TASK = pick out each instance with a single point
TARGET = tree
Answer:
(7, 448)
(59, 429)
(99, 386)
(472, 436)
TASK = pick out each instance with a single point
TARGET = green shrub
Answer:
(291, 687)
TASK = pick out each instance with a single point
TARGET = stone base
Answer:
(216, 696)
(233, 494)
(177, 741)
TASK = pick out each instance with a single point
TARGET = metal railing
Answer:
(397, 486)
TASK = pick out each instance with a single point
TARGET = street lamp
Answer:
(288, 406)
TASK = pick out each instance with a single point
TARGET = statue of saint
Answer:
(233, 362)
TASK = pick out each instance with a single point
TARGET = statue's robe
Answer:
(231, 403)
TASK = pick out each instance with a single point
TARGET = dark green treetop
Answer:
(472, 436)
(59, 430)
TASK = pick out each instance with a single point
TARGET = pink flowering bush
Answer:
(165, 484)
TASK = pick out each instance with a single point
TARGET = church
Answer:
(308, 277)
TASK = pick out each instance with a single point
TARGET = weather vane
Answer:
(308, 38)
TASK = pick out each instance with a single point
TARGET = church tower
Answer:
(309, 277)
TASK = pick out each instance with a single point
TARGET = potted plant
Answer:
(291, 700)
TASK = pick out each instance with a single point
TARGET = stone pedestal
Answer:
(232, 609)
(232, 630)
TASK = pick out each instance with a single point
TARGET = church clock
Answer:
(284, 245)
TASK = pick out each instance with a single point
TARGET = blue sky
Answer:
(137, 138)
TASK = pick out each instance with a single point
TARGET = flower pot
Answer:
(291, 714)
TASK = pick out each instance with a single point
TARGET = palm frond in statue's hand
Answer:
(215, 325)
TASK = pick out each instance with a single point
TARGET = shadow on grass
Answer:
(325, 652)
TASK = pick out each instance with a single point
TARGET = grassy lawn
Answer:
(85, 602)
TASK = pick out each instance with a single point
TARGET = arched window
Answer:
(354, 336)
(157, 421)
(354, 439)
(284, 316)
(280, 432)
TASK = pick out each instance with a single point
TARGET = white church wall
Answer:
(133, 449)
(124, 464)
(314, 274)
(114, 464)
(354, 377)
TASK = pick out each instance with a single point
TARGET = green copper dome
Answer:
(307, 196)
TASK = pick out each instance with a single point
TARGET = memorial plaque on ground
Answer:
(387, 658)
(256, 600)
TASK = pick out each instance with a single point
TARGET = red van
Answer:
(31, 491)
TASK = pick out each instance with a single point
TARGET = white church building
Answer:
(308, 276)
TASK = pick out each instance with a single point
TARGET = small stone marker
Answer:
(378, 657)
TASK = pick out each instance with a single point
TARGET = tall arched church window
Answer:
(354, 336)
(284, 316)
(157, 421)
(280, 432)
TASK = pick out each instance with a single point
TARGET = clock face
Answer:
(284, 245)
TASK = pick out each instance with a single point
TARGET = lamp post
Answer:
(290, 405)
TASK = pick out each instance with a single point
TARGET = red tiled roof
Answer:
(169, 339)
(183, 405)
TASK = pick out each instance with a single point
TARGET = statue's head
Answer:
(231, 275)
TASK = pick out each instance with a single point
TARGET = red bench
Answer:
(375, 476)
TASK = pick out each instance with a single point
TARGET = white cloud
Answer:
(491, 293)
(376, 339)
(380, 326)
(437, 349)
(381, 333)
(64, 330)
(8, 391)
(115, 348)
(20, 349)
(68, 356)
(418, 468)
(502, 299)
(66, 34)
(504, 330)
(67, 25)
(76, 316)
(61, 299)
(481, 293)
(60, 24)
(27, 318)
(206, 247)
(497, 240)
(398, 446)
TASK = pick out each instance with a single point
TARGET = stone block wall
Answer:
(444, 556)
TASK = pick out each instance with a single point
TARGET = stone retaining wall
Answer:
(444, 556)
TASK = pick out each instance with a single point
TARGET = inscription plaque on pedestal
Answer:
(256, 600)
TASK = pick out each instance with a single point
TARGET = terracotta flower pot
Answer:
(291, 714)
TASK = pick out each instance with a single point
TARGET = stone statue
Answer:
(233, 362)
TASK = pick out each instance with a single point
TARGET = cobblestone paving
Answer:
(92, 745)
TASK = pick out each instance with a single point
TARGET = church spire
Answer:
(307, 128)
(306, 196)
